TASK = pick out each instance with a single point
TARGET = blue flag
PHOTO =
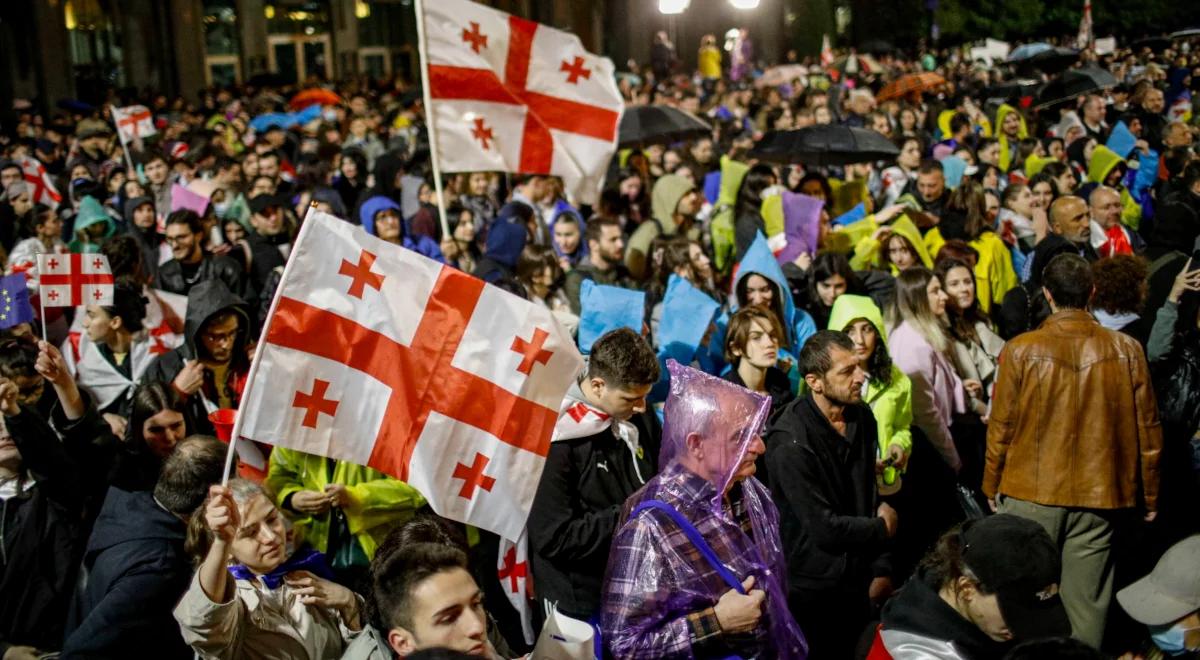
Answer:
(14, 301)
(852, 216)
(1120, 140)
(605, 308)
(687, 313)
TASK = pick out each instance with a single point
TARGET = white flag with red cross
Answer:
(512, 95)
(35, 174)
(376, 355)
(134, 121)
(68, 280)
(826, 52)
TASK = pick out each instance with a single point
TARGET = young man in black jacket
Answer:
(821, 463)
(604, 448)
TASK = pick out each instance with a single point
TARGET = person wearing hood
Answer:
(41, 530)
(92, 225)
(209, 370)
(723, 223)
(697, 567)
(189, 264)
(567, 229)
(505, 241)
(760, 281)
(1010, 129)
(821, 465)
(674, 203)
(15, 210)
(380, 216)
(887, 391)
(136, 564)
(271, 242)
(142, 225)
(603, 449)
(984, 586)
(1107, 168)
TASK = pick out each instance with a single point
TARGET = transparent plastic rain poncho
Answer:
(656, 577)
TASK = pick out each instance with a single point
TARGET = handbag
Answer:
(565, 638)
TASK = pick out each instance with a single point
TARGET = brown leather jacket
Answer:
(1074, 421)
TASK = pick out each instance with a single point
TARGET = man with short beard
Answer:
(605, 263)
(821, 463)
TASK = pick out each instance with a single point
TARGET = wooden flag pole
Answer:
(262, 337)
(124, 145)
(430, 123)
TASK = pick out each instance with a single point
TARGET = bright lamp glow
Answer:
(744, 4)
(673, 6)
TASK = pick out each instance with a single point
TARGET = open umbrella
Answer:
(642, 125)
(1074, 83)
(912, 84)
(314, 96)
(1153, 43)
(1026, 51)
(781, 75)
(1052, 60)
(854, 64)
(1186, 34)
(824, 144)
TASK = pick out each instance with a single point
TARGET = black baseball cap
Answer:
(1015, 559)
(260, 203)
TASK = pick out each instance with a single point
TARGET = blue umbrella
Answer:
(264, 122)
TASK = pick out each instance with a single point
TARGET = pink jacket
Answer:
(937, 391)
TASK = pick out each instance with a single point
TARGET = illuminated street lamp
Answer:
(673, 6)
(744, 4)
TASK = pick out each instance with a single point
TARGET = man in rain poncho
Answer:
(696, 569)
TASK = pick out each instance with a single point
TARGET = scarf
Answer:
(305, 560)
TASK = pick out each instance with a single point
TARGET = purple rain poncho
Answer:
(659, 590)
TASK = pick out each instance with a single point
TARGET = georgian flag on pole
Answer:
(133, 121)
(1084, 38)
(376, 355)
(35, 174)
(511, 95)
(68, 280)
(826, 52)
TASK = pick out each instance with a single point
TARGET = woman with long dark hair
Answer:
(831, 276)
(747, 212)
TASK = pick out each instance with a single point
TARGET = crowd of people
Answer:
(959, 425)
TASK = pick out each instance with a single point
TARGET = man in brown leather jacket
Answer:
(1074, 438)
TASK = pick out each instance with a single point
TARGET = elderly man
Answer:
(697, 562)
(1074, 439)
(1108, 235)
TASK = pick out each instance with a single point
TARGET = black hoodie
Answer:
(135, 570)
(205, 300)
(148, 240)
(918, 615)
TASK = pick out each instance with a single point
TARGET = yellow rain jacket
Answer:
(994, 273)
(1008, 151)
(1102, 164)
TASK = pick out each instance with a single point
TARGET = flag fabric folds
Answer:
(69, 280)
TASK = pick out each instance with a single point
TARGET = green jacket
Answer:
(91, 212)
(664, 199)
(1102, 164)
(378, 502)
(891, 404)
(723, 240)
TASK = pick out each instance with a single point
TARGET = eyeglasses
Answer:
(180, 239)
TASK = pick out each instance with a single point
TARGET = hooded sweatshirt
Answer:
(664, 199)
(137, 570)
(149, 240)
(1008, 151)
(723, 234)
(505, 241)
(91, 212)
(1104, 160)
(420, 244)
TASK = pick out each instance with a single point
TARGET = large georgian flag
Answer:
(376, 355)
(511, 95)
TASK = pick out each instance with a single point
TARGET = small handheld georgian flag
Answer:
(69, 280)
(35, 174)
(134, 121)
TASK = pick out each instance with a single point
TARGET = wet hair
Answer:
(944, 564)
(740, 325)
(912, 305)
(749, 195)
(397, 576)
(824, 266)
(195, 464)
(1068, 278)
(929, 166)
(149, 399)
(1120, 283)
(17, 358)
(622, 358)
(816, 358)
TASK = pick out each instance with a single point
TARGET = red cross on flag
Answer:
(376, 355)
(67, 280)
(134, 121)
(511, 95)
(36, 176)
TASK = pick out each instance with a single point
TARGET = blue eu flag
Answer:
(14, 301)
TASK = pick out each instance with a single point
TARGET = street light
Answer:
(744, 4)
(672, 6)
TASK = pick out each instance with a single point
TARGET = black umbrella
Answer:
(659, 124)
(1073, 83)
(1153, 43)
(1012, 89)
(824, 144)
(1051, 60)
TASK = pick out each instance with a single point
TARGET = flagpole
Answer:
(124, 145)
(430, 123)
(42, 306)
(262, 338)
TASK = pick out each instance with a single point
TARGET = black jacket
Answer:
(134, 573)
(576, 509)
(918, 611)
(779, 388)
(212, 267)
(265, 257)
(42, 536)
(205, 300)
(148, 240)
(824, 486)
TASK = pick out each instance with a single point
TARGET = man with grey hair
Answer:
(135, 567)
(1108, 236)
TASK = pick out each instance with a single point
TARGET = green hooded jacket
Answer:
(664, 199)
(891, 404)
(91, 212)
(1104, 160)
(1008, 151)
(378, 503)
(723, 240)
